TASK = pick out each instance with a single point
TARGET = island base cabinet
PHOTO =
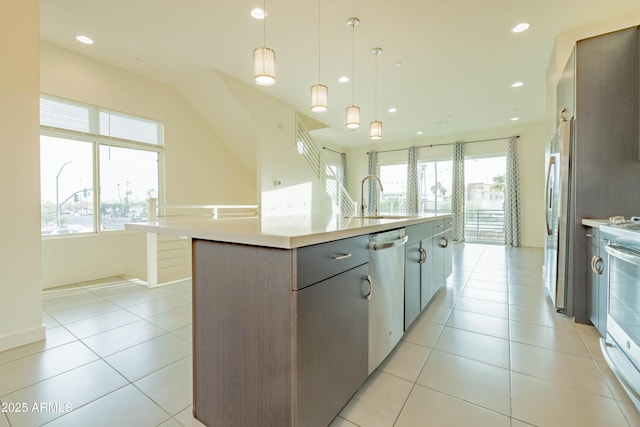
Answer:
(332, 345)
(266, 354)
(242, 335)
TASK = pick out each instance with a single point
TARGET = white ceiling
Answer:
(458, 57)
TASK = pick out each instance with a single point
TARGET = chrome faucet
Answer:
(362, 193)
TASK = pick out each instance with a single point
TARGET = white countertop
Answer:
(276, 232)
(591, 222)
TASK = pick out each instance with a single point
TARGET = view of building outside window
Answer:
(484, 199)
(88, 181)
(484, 193)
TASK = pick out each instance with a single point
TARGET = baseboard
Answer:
(22, 338)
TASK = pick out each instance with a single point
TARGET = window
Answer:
(484, 199)
(434, 187)
(97, 167)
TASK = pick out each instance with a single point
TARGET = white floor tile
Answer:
(127, 406)
(4, 422)
(156, 306)
(186, 418)
(481, 306)
(485, 294)
(100, 323)
(483, 324)
(186, 333)
(480, 347)
(378, 401)
(546, 403)
(170, 423)
(476, 382)
(429, 408)
(118, 339)
(170, 387)
(423, 333)
(563, 368)
(55, 337)
(631, 413)
(149, 356)
(550, 338)
(535, 316)
(341, 422)
(174, 319)
(65, 392)
(406, 361)
(79, 312)
(28, 370)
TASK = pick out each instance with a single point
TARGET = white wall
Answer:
(278, 158)
(199, 167)
(20, 271)
(531, 146)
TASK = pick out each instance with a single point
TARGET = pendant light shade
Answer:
(353, 117)
(319, 92)
(353, 112)
(375, 131)
(264, 58)
(319, 98)
(264, 66)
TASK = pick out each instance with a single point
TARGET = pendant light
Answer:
(353, 112)
(264, 58)
(375, 131)
(319, 92)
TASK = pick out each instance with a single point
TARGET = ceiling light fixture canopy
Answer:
(375, 130)
(264, 58)
(319, 92)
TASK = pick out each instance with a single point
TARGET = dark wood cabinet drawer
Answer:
(419, 232)
(318, 262)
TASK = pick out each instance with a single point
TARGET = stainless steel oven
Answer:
(622, 344)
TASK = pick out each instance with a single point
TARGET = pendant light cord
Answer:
(264, 23)
(353, 63)
(318, 41)
(375, 97)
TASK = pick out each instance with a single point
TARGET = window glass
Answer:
(434, 186)
(66, 182)
(128, 177)
(484, 198)
(122, 126)
(394, 182)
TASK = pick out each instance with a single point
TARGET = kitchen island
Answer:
(280, 314)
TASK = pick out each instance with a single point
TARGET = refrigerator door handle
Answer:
(552, 161)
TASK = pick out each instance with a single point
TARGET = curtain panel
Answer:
(412, 182)
(512, 196)
(374, 169)
(457, 196)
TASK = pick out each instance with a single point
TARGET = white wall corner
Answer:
(22, 338)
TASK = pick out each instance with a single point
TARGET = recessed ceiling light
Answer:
(84, 39)
(392, 110)
(344, 79)
(517, 84)
(515, 119)
(258, 13)
(419, 132)
(398, 64)
(523, 26)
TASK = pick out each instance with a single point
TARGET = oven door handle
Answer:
(625, 254)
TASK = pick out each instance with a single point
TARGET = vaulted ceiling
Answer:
(447, 65)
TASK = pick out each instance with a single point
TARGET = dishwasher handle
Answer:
(392, 244)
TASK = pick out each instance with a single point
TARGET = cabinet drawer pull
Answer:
(343, 256)
(446, 242)
(368, 295)
(423, 256)
(589, 235)
(597, 264)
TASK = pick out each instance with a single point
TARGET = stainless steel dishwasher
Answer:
(386, 307)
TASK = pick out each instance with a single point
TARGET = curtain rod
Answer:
(337, 152)
(450, 143)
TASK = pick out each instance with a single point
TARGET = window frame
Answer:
(97, 140)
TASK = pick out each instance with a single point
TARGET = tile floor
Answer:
(488, 351)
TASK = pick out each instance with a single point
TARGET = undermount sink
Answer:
(385, 216)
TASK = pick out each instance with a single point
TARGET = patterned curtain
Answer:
(343, 159)
(412, 182)
(512, 196)
(457, 196)
(374, 169)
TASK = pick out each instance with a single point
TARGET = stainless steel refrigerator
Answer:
(593, 163)
(556, 214)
